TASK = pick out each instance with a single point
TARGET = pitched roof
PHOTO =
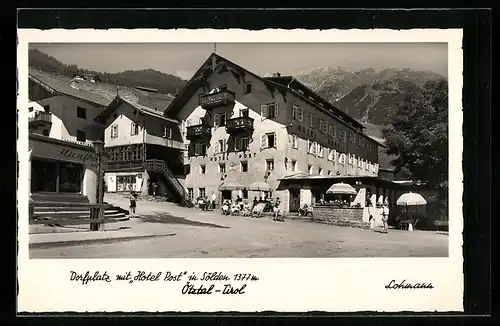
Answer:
(62, 85)
(290, 80)
(282, 83)
(199, 77)
(118, 100)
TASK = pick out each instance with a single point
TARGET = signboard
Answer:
(67, 153)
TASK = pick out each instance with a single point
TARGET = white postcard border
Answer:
(289, 285)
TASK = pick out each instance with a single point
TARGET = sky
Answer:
(183, 59)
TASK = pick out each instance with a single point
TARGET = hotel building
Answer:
(243, 133)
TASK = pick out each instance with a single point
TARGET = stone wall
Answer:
(347, 216)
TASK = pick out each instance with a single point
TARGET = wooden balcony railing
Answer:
(198, 132)
(214, 100)
(239, 124)
(40, 118)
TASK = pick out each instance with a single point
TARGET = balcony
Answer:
(214, 100)
(241, 124)
(200, 131)
(40, 119)
(155, 165)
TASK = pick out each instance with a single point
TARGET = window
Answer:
(331, 155)
(187, 169)
(190, 194)
(331, 130)
(310, 120)
(220, 147)
(294, 165)
(310, 169)
(342, 158)
(329, 172)
(320, 171)
(134, 128)
(268, 140)
(297, 113)
(319, 149)
(81, 112)
(46, 108)
(166, 132)
(244, 194)
(350, 159)
(360, 163)
(323, 126)
(244, 113)
(352, 137)
(222, 168)
(30, 109)
(248, 87)
(361, 141)
(311, 147)
(269, 110)
(295, 142)
(369, 146)
(46, 132)
(80, 136)
(342, 136)
(222, 88)
(270, 165)
(241, 144)
(200, 149)
(244, 166)
(201, 192)
(203, 169)
(114, 131)
(220, 120)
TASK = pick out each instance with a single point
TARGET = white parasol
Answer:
(341, 189)
(411, 199)
(260, 186)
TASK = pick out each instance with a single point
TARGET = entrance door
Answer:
(70, 177)
(226, 194)
(294, 200)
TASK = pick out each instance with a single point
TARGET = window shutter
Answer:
(334, 155)
(294, 112)
(216, 120)
(237, 144)
(301, 114)
(224, 145)
(116, 132)
(131, 128)
(308, 146)
(276, 109)
(217, 148)
(314, 148)
(263, 141)
(275, 140)
(263, 111)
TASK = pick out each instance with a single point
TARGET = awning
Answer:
(231, 186)
(259, 186)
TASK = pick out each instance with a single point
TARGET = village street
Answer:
(209, 234)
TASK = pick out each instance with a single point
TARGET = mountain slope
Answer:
(366, 95)
(164, 83)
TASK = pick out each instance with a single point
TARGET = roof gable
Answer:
(118, 101)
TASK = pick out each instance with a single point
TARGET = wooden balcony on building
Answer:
(240, 124)
(214, 100)
(40, 119)
(155, 165)
(198, 132)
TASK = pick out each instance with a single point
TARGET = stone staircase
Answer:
(115, 214)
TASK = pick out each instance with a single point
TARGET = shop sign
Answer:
(65, 153)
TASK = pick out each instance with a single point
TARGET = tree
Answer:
(418, 135)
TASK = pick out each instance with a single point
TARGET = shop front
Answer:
(63, 167)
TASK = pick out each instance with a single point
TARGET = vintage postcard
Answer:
(236, 170)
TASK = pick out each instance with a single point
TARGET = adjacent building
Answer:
(61, 132)
(145, 149)
(243, 133)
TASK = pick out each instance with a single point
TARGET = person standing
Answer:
(133, 203)
(276, 209)
(214, 198)
(385, 216)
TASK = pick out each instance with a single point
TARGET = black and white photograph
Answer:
(226, 149)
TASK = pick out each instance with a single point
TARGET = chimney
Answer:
(276, 74)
